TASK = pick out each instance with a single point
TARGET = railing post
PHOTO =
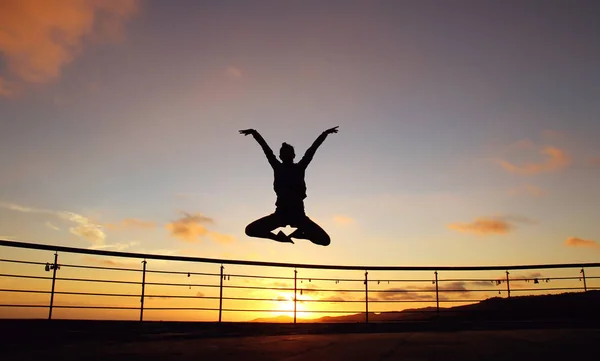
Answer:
(295, 290)
(508, 284)
(221, 293)
(583, 276)
(54, 268)
(366, 297)
(437, 294)
(143, 290)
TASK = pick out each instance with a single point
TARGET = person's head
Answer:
(286, 153)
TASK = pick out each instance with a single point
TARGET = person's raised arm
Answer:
(263, 144)
(310, 152)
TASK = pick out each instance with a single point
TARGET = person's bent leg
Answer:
(263, 227)
(307, 229)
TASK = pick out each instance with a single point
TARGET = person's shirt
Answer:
(288, 181)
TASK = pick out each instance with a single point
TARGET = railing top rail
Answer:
(98, 252)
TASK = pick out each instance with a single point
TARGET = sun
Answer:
(286, 308)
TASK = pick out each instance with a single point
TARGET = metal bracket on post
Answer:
(53, 267)
(508, 284)
(437, 294)
(366, 297)
(295, 292)
(144, 262)
(221, 293)
(584, 282)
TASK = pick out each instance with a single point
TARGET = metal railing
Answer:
(286, 285)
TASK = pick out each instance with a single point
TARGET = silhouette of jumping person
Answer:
(290, 188)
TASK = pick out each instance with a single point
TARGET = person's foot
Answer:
(282, 237)
(298, 233)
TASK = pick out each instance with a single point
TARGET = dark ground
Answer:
(112, 340)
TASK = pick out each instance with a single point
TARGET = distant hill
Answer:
(278, 319)
(405, 315)
(565, 306)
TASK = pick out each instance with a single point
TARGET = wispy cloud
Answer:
(189, 227)
(110, 262)
(192, 228)
(555, 159)
(454, 289)
(343, 220)
(118, 247)
(38, 38)
(403, 294)
(81, 225)
(84, 227)
(52, 226)
(131, 223)
(447, 290)
(528, 190)
(579, 242)
(17, 207)
(485, 226)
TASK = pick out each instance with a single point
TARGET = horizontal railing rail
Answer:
(286, 265)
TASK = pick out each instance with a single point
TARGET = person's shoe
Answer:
(298, 234)
(282, 237)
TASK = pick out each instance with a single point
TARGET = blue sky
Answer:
(129, 117)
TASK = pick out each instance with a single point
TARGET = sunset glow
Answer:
(468, 135)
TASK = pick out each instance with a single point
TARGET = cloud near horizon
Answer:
(192, 228)
(579, 242)
(556, 160)
(447, 291)
(485, 226)
(38, 38)
(82, 226)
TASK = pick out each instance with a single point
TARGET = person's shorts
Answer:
(290, 214)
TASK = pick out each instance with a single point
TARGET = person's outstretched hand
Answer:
(332, 130)
(247, 131)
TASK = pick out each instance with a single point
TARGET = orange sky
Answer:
(467, 133)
